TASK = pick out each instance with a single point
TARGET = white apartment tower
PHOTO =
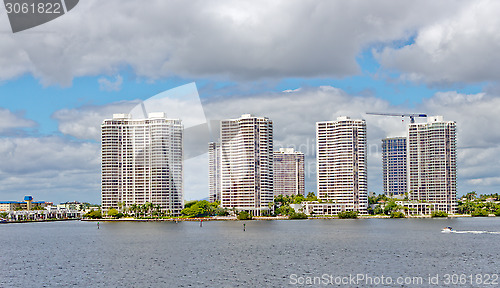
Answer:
(394, 158)
(142, 162)
(247, 163)
(432, 162)
(341, 163)
(214, 171)
(288, 172)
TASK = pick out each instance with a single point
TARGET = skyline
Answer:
(60, 80)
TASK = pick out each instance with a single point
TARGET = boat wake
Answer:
(473, 232)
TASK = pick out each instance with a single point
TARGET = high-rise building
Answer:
(341, 163)
(247, 163)
(394, 166)
(142, 162)
(214, 171)
(432, 163)
(288, 172)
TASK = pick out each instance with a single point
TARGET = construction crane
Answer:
(411, 115)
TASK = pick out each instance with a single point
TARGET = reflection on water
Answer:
(221, 254)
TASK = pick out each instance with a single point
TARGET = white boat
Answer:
(447, 230)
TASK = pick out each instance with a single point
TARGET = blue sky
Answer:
(376, 56)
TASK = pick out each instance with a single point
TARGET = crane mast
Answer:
(410, 115)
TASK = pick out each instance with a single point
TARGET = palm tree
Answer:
(120, 206)
(148, 208)
(134, 209)
(471, 195)
(158, 209)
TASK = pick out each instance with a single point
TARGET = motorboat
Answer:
(447, 230)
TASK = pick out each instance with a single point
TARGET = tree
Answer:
(297, 216)
(480, 213)
(497, 213)
(298, 199)
(148, 208)
(390, 207)
(201, 209)
(348, 215)
(285, 210)
(471, 196)
(378, 210)
(113, 212)
(311, 197)
(243, 215)
(439, 214)
(397, 214)
(94, 214)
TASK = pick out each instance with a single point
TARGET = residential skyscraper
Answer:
(142, 162)
(432, 162)
(214, 171)
(247, 163)
(394, 166)
(341, 163)
(288, 172)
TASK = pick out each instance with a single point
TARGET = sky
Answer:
(296, 62)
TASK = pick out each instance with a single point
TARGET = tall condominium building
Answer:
(214, 171)
(432, 162)
(394, 166)
(142, 162)
(247, 163)
(341, 163)
(288, 172)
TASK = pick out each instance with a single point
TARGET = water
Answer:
(221, 254)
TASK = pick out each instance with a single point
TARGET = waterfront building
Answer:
(432, 162)
(27, 204)
(394, 166)
(47, 213)
(288, 172)
(142, 161)
(341, 163)
(247, 164)
(214, 171)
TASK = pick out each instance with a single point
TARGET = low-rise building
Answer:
(415, 208)
(316, 208)
(49, 212)
(28, 204)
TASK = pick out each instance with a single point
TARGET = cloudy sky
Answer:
(296, 62)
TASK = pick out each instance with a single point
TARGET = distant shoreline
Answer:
(41, 220)
(259, 218)
(263, 218)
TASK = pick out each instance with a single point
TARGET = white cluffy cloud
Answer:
(236, 39)
(460, 48)
(49, 168)
(85, 122)
(10, 121)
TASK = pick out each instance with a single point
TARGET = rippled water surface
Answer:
(221, 254)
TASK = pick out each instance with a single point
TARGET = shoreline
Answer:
(232, 218)
(41, 220)
(265, 218)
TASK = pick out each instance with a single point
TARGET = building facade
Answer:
(142, 162)
(27, 204)
(289, 177)
(394, 170)
(341, 163)
(247, 164)
(432, 162)
(214, 171)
